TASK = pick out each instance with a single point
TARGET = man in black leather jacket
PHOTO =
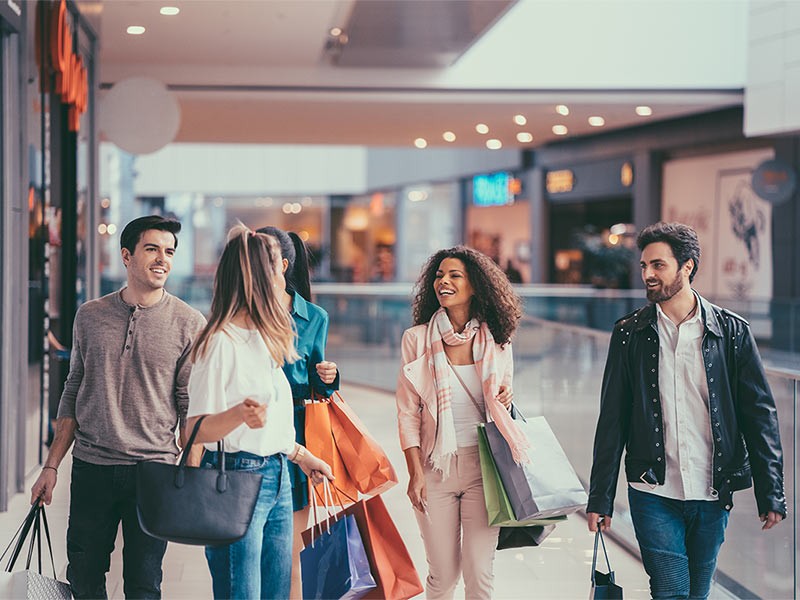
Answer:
(685, 394)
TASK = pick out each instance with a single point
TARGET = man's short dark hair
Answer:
(681, 238)
(133, 231)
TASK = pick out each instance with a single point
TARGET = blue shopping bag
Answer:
(335, 564)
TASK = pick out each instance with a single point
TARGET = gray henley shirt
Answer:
(127, 380)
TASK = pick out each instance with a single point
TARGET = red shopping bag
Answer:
(320, 442)
(389, 560)
(364, 459)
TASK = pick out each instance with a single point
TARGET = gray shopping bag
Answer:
(547, 486)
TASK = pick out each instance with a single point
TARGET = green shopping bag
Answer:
(497, 504)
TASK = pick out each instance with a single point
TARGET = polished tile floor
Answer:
(560, 568)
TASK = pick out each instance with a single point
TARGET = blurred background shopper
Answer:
(309, 375)
(457, 368)
(238, 380)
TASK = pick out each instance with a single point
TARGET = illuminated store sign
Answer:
(69, 79)
(495, 189)
(560, 181)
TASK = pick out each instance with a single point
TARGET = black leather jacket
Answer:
(746, 439)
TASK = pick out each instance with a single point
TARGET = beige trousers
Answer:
(455, 531)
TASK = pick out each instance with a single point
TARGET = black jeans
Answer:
(100, 497)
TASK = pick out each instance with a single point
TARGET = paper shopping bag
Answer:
(364, 459)
(320, 442)
(547, 486)
(389, 560)
(603, 585)
(335, 564)
(26, 583)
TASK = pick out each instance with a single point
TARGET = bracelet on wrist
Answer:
(299, 454)
(48, 467)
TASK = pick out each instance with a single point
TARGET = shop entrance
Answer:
(585, 245)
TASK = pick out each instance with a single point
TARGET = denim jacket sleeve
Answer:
(611, 434)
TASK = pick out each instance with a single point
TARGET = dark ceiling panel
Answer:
(412, 33)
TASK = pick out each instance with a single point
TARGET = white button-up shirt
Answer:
(684, 402)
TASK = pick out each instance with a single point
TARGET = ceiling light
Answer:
(597, 121)
(494, 144)
(524, 137)
(417, 195)
(287, 208)
(560, 129)
(421, 143)
(644, 111)
(562, 109)
(112, 229)
(482, 128)
(135, 30)
(169, 11)
(306, 200)
(336, 31)
(520, 119)
(101, 229)
(449, 136)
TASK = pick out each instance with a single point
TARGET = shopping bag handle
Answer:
(36, 517)
(599, 536)
(19, 537)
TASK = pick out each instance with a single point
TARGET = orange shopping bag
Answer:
(389, 560)
(320, 442)
(364, 459)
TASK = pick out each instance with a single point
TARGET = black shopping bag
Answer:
(603, 585)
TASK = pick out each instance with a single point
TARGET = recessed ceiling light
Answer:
(482, 128)
(336, 31)
(449, 136)
(560, 129)
(597, 121)
(524, 137)
(135, 29)
(520, 119)
(421, 143)
(562, 109)
(644, 111)
(170, 11)
(494, 144)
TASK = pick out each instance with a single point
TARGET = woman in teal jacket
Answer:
(310, 373)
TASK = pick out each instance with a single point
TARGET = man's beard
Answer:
(666, 291)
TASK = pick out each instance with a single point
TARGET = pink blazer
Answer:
(416, 394)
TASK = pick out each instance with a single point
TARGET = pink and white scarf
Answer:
(440, 331)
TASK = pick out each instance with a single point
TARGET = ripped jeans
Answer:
(679, 541)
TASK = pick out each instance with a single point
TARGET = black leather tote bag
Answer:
(195, 505)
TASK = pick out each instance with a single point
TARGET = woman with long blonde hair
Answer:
(238, 383)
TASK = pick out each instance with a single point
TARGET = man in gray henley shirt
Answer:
(124, 397)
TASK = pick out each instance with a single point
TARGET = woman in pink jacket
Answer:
(457, 372)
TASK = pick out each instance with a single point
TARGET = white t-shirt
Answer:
(238, 365)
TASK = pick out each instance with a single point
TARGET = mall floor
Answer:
(560, 568)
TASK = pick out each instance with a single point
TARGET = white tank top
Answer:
(466, 415)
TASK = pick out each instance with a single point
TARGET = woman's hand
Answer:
(505, 397)
(252, 413)
(418, 493)
(327, 371)
(315, 468)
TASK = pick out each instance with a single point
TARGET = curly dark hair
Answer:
(681, 238)
(494, 302)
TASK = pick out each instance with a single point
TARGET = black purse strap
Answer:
(222, 478)
(599, 536)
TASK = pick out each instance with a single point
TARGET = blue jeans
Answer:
(679, 541)
(100, 497)
(260, 564)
